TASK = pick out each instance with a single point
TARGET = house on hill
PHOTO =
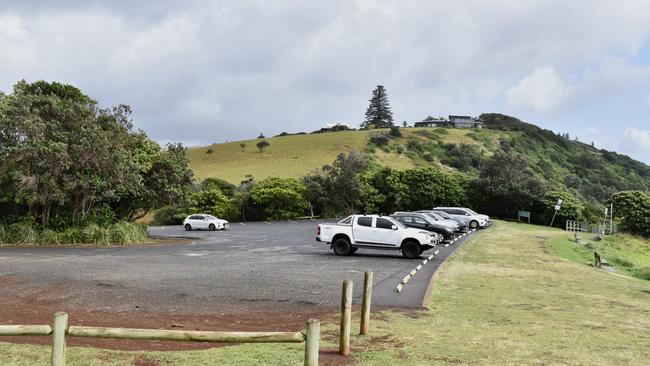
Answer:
(453, 121)
(465, 122)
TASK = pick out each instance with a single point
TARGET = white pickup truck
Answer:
(374, 232)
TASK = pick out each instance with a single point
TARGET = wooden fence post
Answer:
(365, 304)
(312, 340)
(346, 318)
(59, 328)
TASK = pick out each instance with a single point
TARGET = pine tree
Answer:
(378, 112)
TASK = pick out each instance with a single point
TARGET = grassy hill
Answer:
(296, 155)
(591, 173)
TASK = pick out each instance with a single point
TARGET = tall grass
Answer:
(24, 233)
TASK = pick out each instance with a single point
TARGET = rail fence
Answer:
(60, 329)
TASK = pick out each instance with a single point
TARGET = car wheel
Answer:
(342, 247)
(188, 227)
(473, 224)
(411, 250)
(212, 227)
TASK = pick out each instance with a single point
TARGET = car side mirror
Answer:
(426, 225)
(394, 227)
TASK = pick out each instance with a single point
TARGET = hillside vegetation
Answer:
(590, 174)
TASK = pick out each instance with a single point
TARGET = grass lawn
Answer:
(287, 156)
(628, 254)
(295, 156)
(504, 298)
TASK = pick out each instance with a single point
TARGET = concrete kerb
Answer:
(413, 272)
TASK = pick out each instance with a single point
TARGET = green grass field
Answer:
(504, 298)
(295, 156)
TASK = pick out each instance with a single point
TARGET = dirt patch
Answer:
(226, 317)
(144, 361)
(331, 357)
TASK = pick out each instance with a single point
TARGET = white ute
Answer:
(374, 232)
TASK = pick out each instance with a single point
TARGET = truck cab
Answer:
(374, 232)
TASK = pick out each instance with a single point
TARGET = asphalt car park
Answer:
(265, 263)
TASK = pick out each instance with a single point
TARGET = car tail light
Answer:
(318, 230)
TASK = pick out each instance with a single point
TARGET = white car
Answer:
(374, 232)
(476, 220)
(205, 222)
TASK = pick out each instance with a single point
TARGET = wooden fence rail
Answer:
(311, 336)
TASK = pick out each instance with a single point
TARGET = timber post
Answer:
(365, 304)
(346, 318)
(312, 341)
(59, 329)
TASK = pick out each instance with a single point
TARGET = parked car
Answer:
(204, 221)
(424, 222)
(439, 219)
(374, 232)
(463, 221)
(475, 220)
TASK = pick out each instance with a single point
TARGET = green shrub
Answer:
(643, 273)
(48, 237)
(379, 140)
(95, 234)
(71, 235)
(22, 233)
(127, 233)
(3, 234)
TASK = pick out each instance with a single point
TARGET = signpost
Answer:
(557, 208)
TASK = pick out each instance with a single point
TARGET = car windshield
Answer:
(472, 212)
(396, 222)
(432, 216)
(210, 217)
(436, 216)
(443, 215)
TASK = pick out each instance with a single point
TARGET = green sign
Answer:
(525, 214)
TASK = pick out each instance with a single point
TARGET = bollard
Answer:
(59, 329)
(365, 304)
(346, 318)
(312, 340)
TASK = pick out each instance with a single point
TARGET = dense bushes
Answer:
(64, 158)
(280, 198)
(28, 232)
(632, 209)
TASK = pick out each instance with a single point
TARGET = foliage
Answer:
(29, 232)
(216, 183)
(209, 151)
(64, 155)
(378, 113)
(632, 208)
(571, 208)
(211, 201)
(379, 139)
(463, 157)
(505, 186)
(262, 145)
(280, 198)
(395, 132)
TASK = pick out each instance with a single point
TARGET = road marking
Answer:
(446, 245)
(267, 222)
(291, 221)
(413, 272)
(431, 256)
(406, 279)
(398, 288)
(419, 267)
(435, 253)
(425, 261)
(241, 223)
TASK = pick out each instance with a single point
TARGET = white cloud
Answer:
(637, 139)
(543, 90)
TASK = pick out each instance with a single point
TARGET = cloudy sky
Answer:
(209, 71)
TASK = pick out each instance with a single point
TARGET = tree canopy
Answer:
(378, 113)
(64, 154)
